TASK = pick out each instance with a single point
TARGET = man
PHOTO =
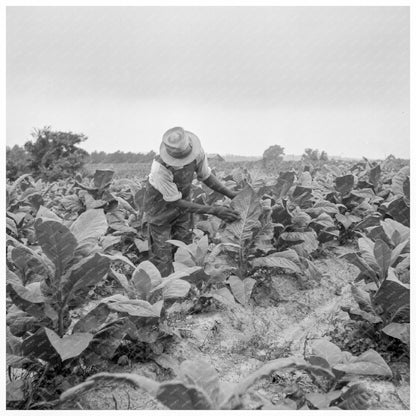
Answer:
(167, 202)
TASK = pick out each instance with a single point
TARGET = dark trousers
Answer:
(161, 252)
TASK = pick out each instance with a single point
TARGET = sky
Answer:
(241, 78)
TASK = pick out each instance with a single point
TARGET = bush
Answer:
(16, 162)
(54, 154)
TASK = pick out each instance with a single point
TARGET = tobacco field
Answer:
(303, 303)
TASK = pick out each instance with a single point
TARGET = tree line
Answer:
(53, 155)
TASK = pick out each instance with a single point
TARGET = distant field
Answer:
(140, 170)
(121, 170)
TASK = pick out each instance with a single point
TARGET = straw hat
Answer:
(179, 147)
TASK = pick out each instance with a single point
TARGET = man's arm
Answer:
(224, 213)
(216, 185)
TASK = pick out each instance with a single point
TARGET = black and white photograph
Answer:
(207, 206)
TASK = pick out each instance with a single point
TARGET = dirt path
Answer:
(279, 322)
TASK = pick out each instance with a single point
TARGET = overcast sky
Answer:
(241, 78)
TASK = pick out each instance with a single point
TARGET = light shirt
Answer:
(161, 178)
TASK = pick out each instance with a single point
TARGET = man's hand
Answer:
(213, 183)
(226, 214)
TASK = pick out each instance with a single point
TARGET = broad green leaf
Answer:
(92, 321)
(365, 193)
(274, 260)
(210, 226)
(29, 263)
(237, 289)
(402, 315)
(88, 228)
(157, 307)
(399, 179)
(322, 400)
(202, 375)
(39, 346)
(382, 254)
(248, 287)
(132, 307)
(29, 300)
(323, 221)
(362, 298)
(201, 250)
(57, 242)
(329, 351)
(15, 390)
(398, 330)
(311, 271)
(117, 221)
(322, 207)
(374, 175)
(17, 361)
(142, 245)
(120, 278)
(141, 283)
(366, 247)
(176, 395)
(80, 278)
(344, 184)
(108, 339)
(369, 363)
(390, 226)
(264, 235)
(69, 346)
(121, 258)
(402, 247)
(11, 225)
(399, 210)
(152, 272)
(19, 322)
(148, 333)
(289, 254)
(284, 183)
(357, 261)
(71, 203)
(176, 289)
(183, 256)
(47, 214)
(357, 397)
(13, 343)
(391, 296)
(191, 249)
(280, 214)
(371, 220)
(357, 314)
(12, 277)
(224, 296)
(124, 205)
(247, 204)
(109, 241)
(304, 243)
(181, 273)
(103, 178)
(318, 361)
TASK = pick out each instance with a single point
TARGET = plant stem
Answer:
(61, 322)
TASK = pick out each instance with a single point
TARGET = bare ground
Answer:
(282, 317)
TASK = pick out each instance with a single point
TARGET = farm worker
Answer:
(167, 201)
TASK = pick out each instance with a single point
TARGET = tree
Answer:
(54, 154)
(311, 155)
(324, 156)
(16, 162)
(273, 154)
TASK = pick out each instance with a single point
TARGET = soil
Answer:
(283, 316)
